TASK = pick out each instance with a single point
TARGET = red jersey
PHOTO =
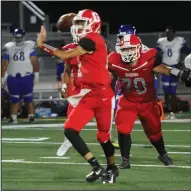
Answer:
(75, 73)
(93, 65)
(138, 80)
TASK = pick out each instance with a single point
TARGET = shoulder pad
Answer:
(149, 53)
(30, 42)
(161, 39)
(93, 36)
(9, 44)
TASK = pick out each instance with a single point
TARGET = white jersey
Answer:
(19, 58)
(187, 61)
(171, 50)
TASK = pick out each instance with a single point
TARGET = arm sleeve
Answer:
(5, 53)
(185, 48)
(87, 44)
(158, 60)
(158, 46)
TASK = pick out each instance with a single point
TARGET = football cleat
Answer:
(171, 116)
(66, 145)
(113, 173)
(166, 160)
(12, 121)
(31, 119)
(125, 163)
(96, 174)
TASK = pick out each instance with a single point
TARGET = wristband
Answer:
(49, 49)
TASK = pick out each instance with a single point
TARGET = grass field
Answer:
(29, 160)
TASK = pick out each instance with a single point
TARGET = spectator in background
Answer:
(171, 48)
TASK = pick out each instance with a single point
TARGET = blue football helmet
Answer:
(18, 36)
(126, 29)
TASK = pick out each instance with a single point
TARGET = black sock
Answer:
(124, 144)
(110, 166)
(173, 103)
(108, 148)
(109, 151)
(94, 163)
(159, 145)
(77, 142)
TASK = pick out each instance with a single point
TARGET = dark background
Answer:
(146, 16)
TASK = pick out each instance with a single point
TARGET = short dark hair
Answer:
(170, 28)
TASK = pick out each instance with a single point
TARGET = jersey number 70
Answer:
(138, 83)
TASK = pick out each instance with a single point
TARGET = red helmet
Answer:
(86, 21)
(130, 47)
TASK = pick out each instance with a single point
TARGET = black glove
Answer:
(185, 76)
(188, 81)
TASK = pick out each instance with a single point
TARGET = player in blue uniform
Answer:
(171, 48)
(21, 64)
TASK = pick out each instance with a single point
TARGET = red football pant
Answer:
(148, 113)
(98, 104)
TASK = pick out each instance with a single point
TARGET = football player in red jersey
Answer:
(96, 97)
(135, 70)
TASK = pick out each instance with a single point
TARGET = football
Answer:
(65, 22)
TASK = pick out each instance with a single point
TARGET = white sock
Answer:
(30, 115)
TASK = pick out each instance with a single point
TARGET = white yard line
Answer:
(59, 143)
(26, 139)
(91, 129)
(14, 160)
(89, 124)
(180, 153)
(73, 163)
(54, 157)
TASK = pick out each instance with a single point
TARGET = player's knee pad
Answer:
(155, 137)
(69, 132)
(103, 137)
(15, 99)
(28, 99)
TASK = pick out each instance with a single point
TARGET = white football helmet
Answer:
(130, 48)
(84, 22)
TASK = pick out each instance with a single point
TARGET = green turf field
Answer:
(27, 162)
